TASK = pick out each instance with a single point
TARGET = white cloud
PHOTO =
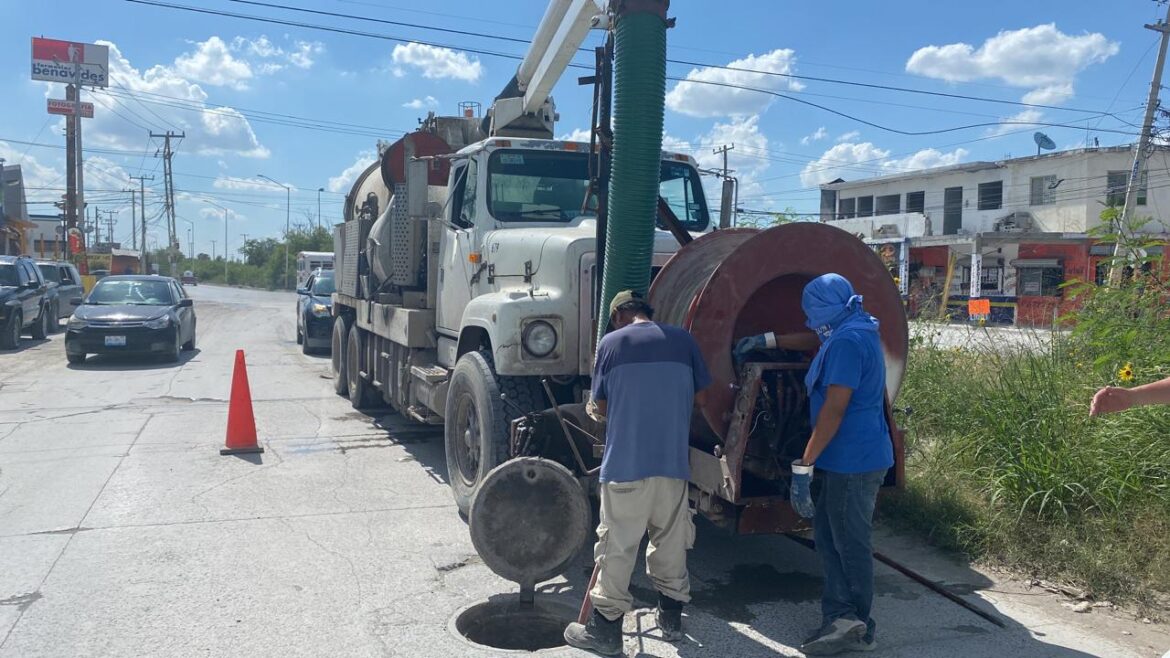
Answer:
(164, 98)
(213, 63)
(925, 159)
(36, 174)
(581, 135)
(693, 98)
(343, 181)
(850, 160)
(1017, 122)
(428, 102)
(302, 54)
(1037, 56)
(745, 158)
(849, 136)
(435, 62)
(257, 184)
(1050, 95)
(818, 135)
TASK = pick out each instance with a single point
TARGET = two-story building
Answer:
(1012, 231)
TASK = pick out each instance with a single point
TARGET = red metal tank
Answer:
(739, 282)
(425, 144)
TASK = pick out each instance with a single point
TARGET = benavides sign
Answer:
(70, 62)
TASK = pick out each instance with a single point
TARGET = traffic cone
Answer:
(241, 424)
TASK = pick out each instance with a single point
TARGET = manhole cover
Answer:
(528, 519)
(507, 623)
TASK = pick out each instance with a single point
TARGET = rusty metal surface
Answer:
(528, 519)
(770, 516)
(393, 165)
(737, 285)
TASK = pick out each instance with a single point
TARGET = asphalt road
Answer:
(123, 532)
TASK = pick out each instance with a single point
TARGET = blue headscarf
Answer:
(833, 310)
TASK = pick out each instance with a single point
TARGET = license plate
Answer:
(115, 341)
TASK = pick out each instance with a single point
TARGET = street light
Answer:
(319, 191)
(225, 240)
(287, 213)
(190, 236)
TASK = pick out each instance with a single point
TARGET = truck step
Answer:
(424, 415)
(429, 374)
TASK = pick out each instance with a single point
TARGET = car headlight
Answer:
(158, 323)
(539, 338)
(321, 310)
(77, 323)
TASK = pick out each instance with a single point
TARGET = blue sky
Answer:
(233, 85)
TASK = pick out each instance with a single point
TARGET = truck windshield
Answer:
(550, 186)
(8, 275)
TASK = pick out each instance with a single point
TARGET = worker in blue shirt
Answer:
(646, 378)
(850, 447)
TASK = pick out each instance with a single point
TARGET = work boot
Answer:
(599, 634)
(669, 616)
(835, 637)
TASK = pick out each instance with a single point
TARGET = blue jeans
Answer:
(843, 527)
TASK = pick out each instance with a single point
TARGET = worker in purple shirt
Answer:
(851, 449)
(646, 379)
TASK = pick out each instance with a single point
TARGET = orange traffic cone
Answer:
(241, 424)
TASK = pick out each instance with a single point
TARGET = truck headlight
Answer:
(320, 310)
(539, 338)
(76, 323)
(158, 323)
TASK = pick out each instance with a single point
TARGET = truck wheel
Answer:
(478, 421)
(337, 360)
(55, 318)
(40, 328)
(10, 340)
(361, 392)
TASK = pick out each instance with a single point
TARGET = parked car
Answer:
(315, 312)
(189, 278)
(68, 282)
(26, 301)
(132, 314)
(98, 275)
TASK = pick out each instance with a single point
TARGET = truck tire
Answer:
(477, 421)
(55, 318)
(10, 339)
(40, 327)
(361, 391)
(337, 360)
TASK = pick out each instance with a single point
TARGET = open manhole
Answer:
(505, 622)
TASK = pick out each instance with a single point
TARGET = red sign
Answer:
(977, 307)
(70, 62)
(57, 106)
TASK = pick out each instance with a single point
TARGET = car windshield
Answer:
(131, 291)
(324, 284)
(51, 273)
(550, 186)
(8, 275)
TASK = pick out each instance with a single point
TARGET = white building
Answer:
(1024, 224)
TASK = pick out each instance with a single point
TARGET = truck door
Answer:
(455, 268)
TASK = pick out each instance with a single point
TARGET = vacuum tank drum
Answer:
(739, 282)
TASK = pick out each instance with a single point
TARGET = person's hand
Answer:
(749, 344)
(1111, 399)
(799, 494)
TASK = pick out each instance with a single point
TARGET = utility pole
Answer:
(133, 221)
(169, 186)
(111, 220)
(319, 191)
(213, 251)
(142, 198)
(71, 207)
(1139, 156)
(727, 199)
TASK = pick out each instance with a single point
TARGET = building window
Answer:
(1115, 184)
(991, 195)
(916, 202)
(992, 280)
(1043, 190)
(890, 204)
(847, 209)
(1040, 281)
(865, 206)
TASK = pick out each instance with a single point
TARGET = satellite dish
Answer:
(1043, 142)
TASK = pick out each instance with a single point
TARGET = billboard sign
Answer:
(57, 106)
(69, 62)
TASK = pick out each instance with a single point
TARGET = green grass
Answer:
(1004, 464)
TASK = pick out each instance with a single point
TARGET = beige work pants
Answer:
(629, 510)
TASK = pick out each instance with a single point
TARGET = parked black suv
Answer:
(26, 301)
